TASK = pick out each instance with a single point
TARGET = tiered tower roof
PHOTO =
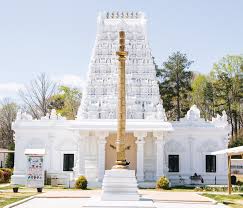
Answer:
(100, 94)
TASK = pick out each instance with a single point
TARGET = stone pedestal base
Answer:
(119, 190)
(98, 203)
(119, 185)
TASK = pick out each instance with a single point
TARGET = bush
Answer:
(81, 183)
(163, 183)
(1, 176)
(239, 183)
(7, 173)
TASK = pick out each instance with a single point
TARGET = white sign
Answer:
(35, 171)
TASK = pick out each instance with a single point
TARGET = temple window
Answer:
(210, 163)
(68, 162)
(173, 163)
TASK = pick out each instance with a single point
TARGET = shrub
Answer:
(1, 176)
(163, 183)
(7, 172)
(81, 183)
(239, 183)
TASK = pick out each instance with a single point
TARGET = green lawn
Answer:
(10, 197)
(234, 200)
(174, 189)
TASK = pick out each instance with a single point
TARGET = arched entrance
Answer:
(131, 151)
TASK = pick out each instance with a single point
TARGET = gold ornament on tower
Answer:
(121, 162)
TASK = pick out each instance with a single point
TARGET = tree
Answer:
(10, 157)
(8, 112)
(36, 96)
(66, 102)
(228, 84)
(203, 95)
(175, 85)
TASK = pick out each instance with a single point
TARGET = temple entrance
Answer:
(131, 151)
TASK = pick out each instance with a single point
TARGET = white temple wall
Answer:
(63, 143)
(192, 145)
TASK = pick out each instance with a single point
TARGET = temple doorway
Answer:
(131, 151)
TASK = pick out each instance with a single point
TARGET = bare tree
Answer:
(36, 96)
(8, 111)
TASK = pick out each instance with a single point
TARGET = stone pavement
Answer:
(75, 199)
(77, 203)
(150, 194)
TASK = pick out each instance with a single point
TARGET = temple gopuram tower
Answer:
(142, 91)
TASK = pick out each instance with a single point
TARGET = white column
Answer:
(159, 154)
(80, 165)
(190, 140)
(50, 153)
(140, 154)
(101, 153)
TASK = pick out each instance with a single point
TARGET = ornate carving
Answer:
(100, 95)
(220, 121)
(193, 114)
(53, 116)
(23, 116)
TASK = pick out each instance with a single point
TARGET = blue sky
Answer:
(56, 36)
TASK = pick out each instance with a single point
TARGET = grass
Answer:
(10, 197)
(47, 187)
(173, 189)
(233, 200)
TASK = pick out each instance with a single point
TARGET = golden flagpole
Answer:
(121, 162)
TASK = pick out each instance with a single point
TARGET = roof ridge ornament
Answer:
(123, 15)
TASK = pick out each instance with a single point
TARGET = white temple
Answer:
(155, 147)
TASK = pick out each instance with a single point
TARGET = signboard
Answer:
(35, 171)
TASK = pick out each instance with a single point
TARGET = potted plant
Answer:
(39, 190)
(15, 188)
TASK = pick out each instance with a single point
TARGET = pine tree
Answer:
(175, 85)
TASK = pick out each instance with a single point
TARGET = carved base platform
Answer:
(119, 190)
(119, 185)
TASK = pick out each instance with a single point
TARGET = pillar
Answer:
(190, 155)
(50, 153)
(159, 154)
(80, 165)
(140, 154)
(229, 174)
(101, 153)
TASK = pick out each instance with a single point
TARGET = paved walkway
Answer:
(162, 196)
(76, 198)
(78, 202)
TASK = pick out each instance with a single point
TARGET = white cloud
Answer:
(10, 89)
(70, 80)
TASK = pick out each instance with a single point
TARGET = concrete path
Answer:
(78, 202)
(75, 199)
(163, 196)
(150, 194)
